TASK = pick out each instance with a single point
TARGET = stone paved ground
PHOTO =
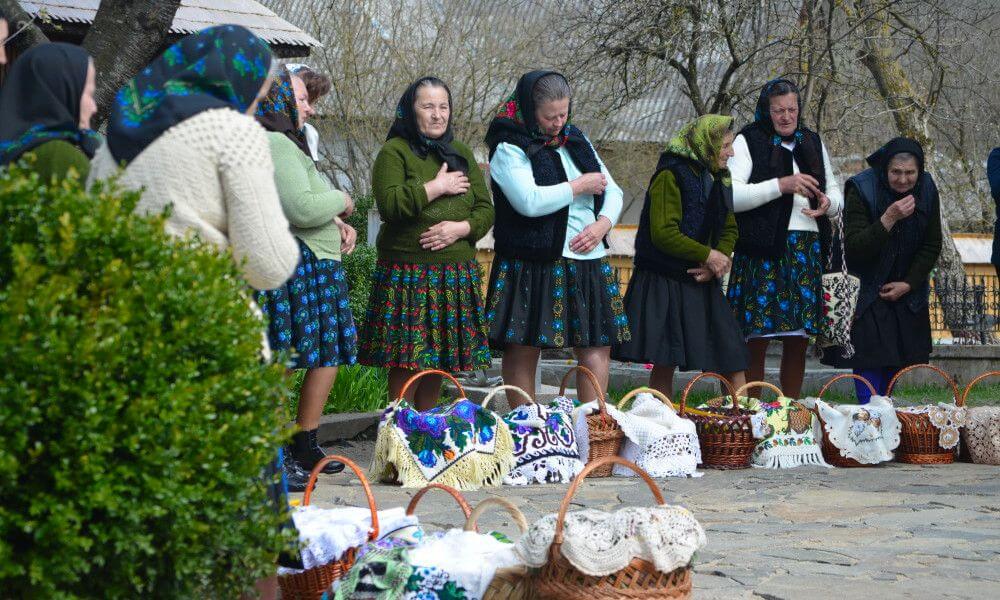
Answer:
(896, 531)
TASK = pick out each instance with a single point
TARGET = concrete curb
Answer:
(346, 426)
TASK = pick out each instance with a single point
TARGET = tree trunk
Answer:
(125, 37)
(17, 18)
(909, 112)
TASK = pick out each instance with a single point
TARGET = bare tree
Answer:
(24, 31)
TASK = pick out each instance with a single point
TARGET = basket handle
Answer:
(646, 390)
(753, 384)
(706, 375)
(980, 377)
(411, 508)
(314, 475)
(590, 466)
(601, 405)
(842, 376)
(415, 377)
(504, 387)
(507, 505)
(959, 401)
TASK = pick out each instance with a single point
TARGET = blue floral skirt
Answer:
(563, 303)
(779, 295)
(310, 315)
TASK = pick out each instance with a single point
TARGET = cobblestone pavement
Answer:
(895, 531)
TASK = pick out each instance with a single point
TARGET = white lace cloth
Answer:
(866, 433)
(329, 532)
(946, 417)
(467, 558)
(663, 444)
(600, 543)
(982, 435)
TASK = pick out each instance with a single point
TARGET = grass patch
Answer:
(357, 389)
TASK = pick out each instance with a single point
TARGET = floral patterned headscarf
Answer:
(219, 67)
(278, 111)
(701, 141)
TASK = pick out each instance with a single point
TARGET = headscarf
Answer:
(40, 101)
(762, 113)
(701, 141)
(218, 67)
(278, 111)
(880, 159)
(515, 122)
(405, 126)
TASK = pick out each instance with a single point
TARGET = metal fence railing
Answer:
(970, 304)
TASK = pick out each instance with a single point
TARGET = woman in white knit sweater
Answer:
(182, 131)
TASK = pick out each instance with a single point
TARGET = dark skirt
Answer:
(887, 335)
(682, 323)
(425, 316)
(310, 314)
(555, 304)
(770, 296)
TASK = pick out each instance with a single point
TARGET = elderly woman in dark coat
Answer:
(892, 226)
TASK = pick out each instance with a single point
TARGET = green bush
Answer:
(135, 414)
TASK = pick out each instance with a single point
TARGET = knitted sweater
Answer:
(215, 171)
(310, 204)
(56, 158)
(398, 179)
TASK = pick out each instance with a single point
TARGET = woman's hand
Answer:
(591, 184)
(801, 184)
(718, 263)
(446, 183)
(701, 274)
(897, 211)
(348, 236)
(444, 234)
(821, 208)
(591, 236)
(894, 290)
(348, 206)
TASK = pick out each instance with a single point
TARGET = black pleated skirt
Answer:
(887, 334)
(687, 324)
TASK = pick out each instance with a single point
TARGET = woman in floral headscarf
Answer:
(425, 310)
(675, 303)
(551, 285)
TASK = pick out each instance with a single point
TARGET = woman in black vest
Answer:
(892, 226)
(784, 189)
(551, 285)
(686, 234)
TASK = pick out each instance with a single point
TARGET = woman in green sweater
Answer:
(426, 309)
(310, 314)
(47, 101)
(679, 315)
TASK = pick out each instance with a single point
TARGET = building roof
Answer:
(192, 16)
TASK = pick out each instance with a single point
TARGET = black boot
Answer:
(306, 452)
(295, 477)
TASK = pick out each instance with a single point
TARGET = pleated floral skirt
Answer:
(563, 303)
(425, 316)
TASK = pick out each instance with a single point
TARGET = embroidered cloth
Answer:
(462, 445)
(982, 435)
(786, 438)
(545, 449)
(946, 417)
(666, 445)
(866, 433)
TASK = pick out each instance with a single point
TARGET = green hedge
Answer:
(135, 414)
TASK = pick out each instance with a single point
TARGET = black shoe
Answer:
(295, 477)
(306, 452)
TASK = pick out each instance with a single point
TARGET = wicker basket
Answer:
(967, 454)
(605, 435)
(831, 453)
(507, 387)
(726, 438)
(312, 583)
(918, 440)
(509, 583)
(411, 508)
(558, 579)
(645, 390)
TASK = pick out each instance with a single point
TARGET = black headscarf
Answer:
(40, 101)
(515, 122)
(405, 126)
(762, 112)
(278, 111)
(880, 159)
(218, 67)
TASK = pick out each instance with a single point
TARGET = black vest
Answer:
(763, 230)
(700, 220)
(539, 238)
(894, 257)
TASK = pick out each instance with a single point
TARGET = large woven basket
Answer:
(726, 437)
(979, 443)
(605, 435)
(312, 583)
(411, 508)
(509, 583)
(558, 579)
(831, 453)
(629, 397)
(918, 440)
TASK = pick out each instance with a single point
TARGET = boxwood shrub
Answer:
(135, 413)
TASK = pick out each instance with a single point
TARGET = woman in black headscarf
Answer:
(892, 228)
(47, 101)
(425, 310)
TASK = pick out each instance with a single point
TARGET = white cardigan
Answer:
(215, 170)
